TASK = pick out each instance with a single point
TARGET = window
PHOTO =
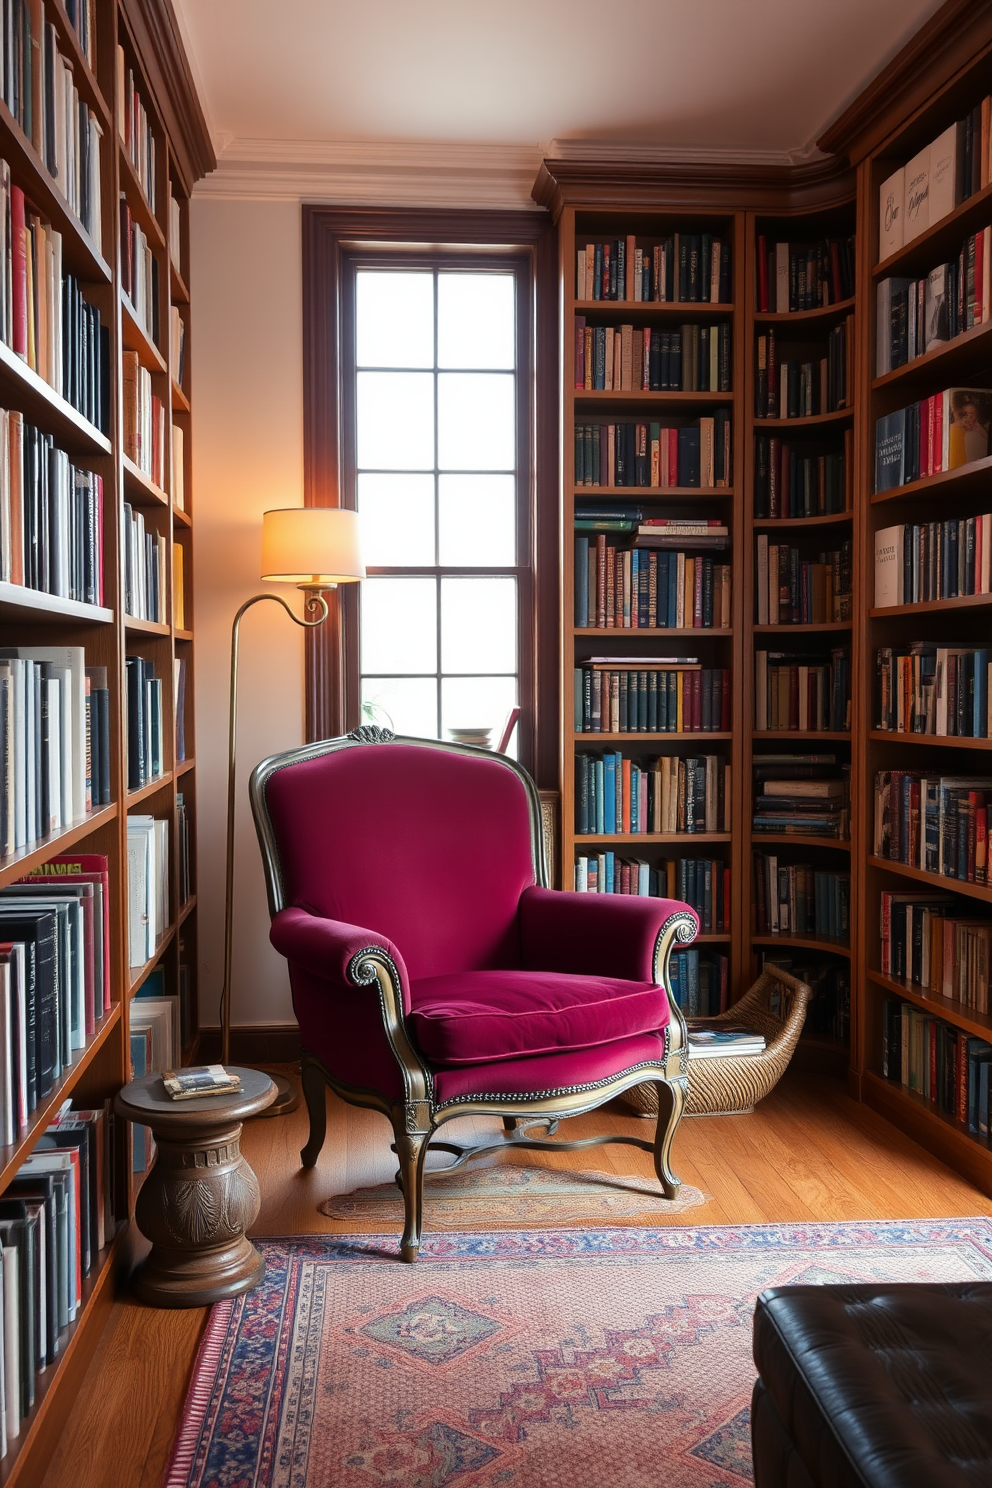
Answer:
(437, 470)
(424, 410)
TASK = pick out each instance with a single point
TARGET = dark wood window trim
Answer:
(329, 234)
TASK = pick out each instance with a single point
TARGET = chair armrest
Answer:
(329, 948)
(616, 935)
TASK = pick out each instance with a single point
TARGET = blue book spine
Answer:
(610, 872)
(582, 581)
(609, 793)
(980, 721)
(599, 796)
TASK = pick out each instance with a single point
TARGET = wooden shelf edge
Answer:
(803, 317)
(682, 738)
(150, 788)
(144, 972)
(776, 734)
(940, 1136)
(948, 1008)
(187, 909)
(652, 630)
(19, 863)
(972, 472)
(932, 606)
(183, 767)
(136, 338)
(146, 627)
(638, 395)
(806, 942)
(952, 222)
(921, 365)
(664, 307)
(146, 217)
(828, 519)
(812, 627)
(801, 839)
(634, 494)
(630, 839)
(135, 476)
(806, 420)
(936, 880)
(44, 405)
(940, 741)
(37, 605)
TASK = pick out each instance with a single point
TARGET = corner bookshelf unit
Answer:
(100, 441)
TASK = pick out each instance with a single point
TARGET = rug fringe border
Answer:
(199, 1394)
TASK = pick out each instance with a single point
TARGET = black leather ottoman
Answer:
(873, 1387)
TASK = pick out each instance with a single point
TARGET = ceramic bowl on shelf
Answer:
(482, 738)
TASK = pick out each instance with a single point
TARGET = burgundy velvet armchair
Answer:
(433, 973)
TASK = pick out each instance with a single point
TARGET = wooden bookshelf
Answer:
(149, 33)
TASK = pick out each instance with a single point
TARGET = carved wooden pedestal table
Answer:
(200, 1195)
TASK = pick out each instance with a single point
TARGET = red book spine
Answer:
(19, 271)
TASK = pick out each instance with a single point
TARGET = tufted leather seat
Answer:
(877, 1386)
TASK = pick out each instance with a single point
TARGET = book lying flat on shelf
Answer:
(726, 1039)
(200, 1080)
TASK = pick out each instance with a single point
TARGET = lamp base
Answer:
(287, 1094)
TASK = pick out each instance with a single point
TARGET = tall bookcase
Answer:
(152, 53)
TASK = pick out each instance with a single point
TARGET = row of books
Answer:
(147, 885)
(937, 823)
(796, 690)
(651, 695)
(54, 978)
(55, 740)
(144, 420)
(179, 672)
(793, 590)
(693, 359)
(803, 276)
(802, 388)
(655, 455)
(674, 794)
(82, 19)
(913, 316)
(39, 92)
(135, 129)
(940, 176)
(692, 267)
(45, 319)
(51, 516)
(797, 898)
(932, 941)
(177, 344)
(139, 272)
(828, 1012)
(702, 883)
(699, 984)
(56, 1216)
(943, 1064)
(917, 562)
(145, 722)
(154, 1026)
(926, 688)
(807, 795)
(184, 849)
(942, 432)
(794, 481)
(630, 588)
(144, 568)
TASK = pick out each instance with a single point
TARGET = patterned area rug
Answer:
(566, 1359)
(510, 1194)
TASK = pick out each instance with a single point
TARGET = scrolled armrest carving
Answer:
(373, 966)
(680, 928)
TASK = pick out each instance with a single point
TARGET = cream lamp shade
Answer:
(313, 546)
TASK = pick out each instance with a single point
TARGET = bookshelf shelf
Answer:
(183, 767)
(180, 402)
(136, 338)
(943, 238)
(807, 421)
(792, 523)
(634, 494)
(673, 738)
(140, 488)
(969, 352)
(948, 1008)
(137, 200)
(44, 406)
(810, 629)
(939, 741)
(18, 863)
(933, 606)
(692, 631)
(68, 43)
(145, 627)
(180, 293)
(183, 518)
(598, 838)
(152, 788)
(658, 400)
(140, 975)
(186, 910)
(12, 1157)
(183, 635)
(805, 942)
(663, 309)
(966, 480)
(17, 601)
(777, 735)
(935, 880)
(821, 314)
(937, 1132)
(801, 839)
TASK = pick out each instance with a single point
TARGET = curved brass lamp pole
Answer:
(316, 605)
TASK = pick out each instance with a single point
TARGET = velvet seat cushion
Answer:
(477, 1017)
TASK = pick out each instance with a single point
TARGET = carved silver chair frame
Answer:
(417, 1117)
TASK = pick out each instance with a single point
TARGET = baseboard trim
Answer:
(279, 1044)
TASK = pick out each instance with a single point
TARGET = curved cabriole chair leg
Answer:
(671, 1101)
(411, 1149)
(314, 1092)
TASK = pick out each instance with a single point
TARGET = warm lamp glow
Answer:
(315, 546)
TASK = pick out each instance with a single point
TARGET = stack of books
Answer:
(801, 795)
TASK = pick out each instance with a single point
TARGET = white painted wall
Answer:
(247, 456)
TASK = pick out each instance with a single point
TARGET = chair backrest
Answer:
(429, 844)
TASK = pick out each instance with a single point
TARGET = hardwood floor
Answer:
(807, 1153)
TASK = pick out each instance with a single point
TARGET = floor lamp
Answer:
(316, 548)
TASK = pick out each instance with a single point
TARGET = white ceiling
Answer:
(741, 76)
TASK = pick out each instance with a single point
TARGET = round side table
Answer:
(200, 1195)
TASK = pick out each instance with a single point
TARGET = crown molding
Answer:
(155, 28)
(375, 172)
(621, 153)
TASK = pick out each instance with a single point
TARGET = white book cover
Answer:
(11, 1344)
(774, 594)
(946, 153)
(59, 1160)
(72, 658)
(891, 213)
(137, 898)
(8, 1112)
(917, 195)
(888, 567)
(781, 278)
(149, 1013)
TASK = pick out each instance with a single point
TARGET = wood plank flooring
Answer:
(808, 1153)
